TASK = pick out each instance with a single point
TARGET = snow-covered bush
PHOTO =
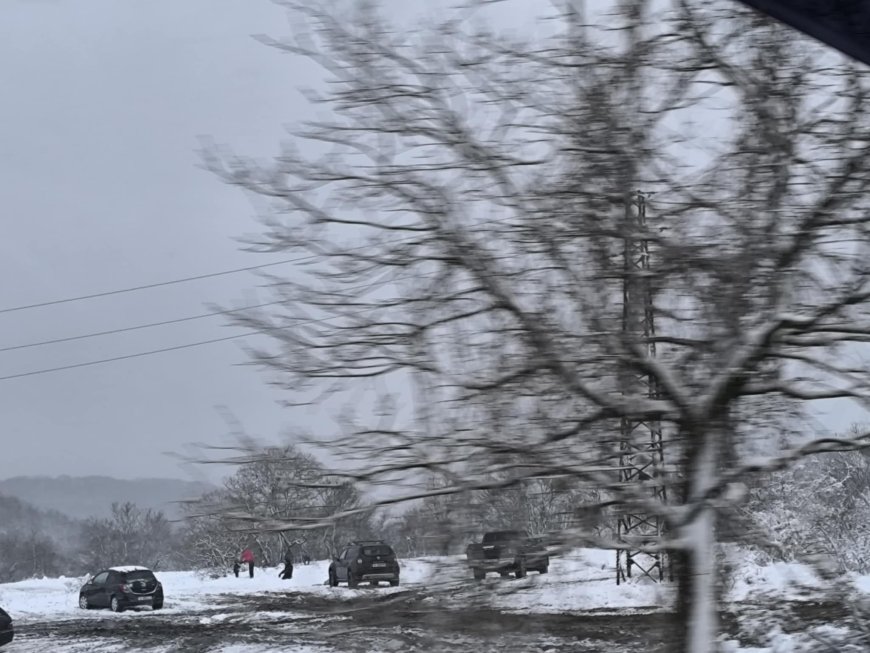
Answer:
(817, 511)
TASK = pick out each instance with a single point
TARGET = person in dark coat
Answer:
(306, 559)
(287, 572)
(236, 567)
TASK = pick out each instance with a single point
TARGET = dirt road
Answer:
(404, 621)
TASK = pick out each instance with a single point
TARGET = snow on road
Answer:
(579, 582)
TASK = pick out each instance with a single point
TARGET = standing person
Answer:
(248, 556)
(306, 558)
(236, 566)
(287, 572)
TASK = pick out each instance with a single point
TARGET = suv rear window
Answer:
(377, 551)
(503, 536)
(132, 576)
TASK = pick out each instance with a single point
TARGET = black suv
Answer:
(6, 631)
(367, 561)
(119, 588)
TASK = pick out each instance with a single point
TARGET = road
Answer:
(409, 620)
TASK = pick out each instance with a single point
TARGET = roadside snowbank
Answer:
(578, 581)
(184, 591)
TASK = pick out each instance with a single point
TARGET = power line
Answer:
(128, 356)
(158, 284)
(188, 345)
(185, 319)
(137, 327)
(210, 275)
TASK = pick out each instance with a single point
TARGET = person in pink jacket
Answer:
(248, 556)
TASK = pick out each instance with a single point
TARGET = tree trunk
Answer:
(695, 568)
(695, 562)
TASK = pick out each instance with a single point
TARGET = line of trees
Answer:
(816, 511)
(36, 543)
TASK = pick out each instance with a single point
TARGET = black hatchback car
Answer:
(119, 588)
(369, 561)
(7, 634)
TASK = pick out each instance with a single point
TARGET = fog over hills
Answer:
(92, 496)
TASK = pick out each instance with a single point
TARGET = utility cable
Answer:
(170, 282)
(210, 275)
(137, 327)
(190, 345)
(190, 318)
(163, 350)
(126, 356)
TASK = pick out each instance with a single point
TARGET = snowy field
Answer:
(437, 603)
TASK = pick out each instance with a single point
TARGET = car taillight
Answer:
(124, 587)
(359, 561)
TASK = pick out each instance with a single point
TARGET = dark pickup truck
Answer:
(508, 552)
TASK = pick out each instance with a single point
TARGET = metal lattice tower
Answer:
(641, 451)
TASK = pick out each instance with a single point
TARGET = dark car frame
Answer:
(7, 634)
(365, 561)
(119, 588)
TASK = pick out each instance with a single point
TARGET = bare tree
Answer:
(209, 541)
(272, 487)
(462, 231)
(130, 536)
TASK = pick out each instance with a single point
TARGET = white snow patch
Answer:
(128, 569)
(185, 591)
(787, 580)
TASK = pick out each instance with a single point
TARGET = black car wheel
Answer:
(115, 605)
(157, 606)
(394, 583)
(479, 574)
(333, 581)
(543, 569)
(83, 602)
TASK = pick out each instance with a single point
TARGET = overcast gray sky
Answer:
(103, 101)
(103, 104)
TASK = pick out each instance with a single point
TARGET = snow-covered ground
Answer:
(579, 582)
(185, 591)
(582, 580)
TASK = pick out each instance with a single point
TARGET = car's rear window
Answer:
(502, 536)
(132, 576)
(377, 551)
